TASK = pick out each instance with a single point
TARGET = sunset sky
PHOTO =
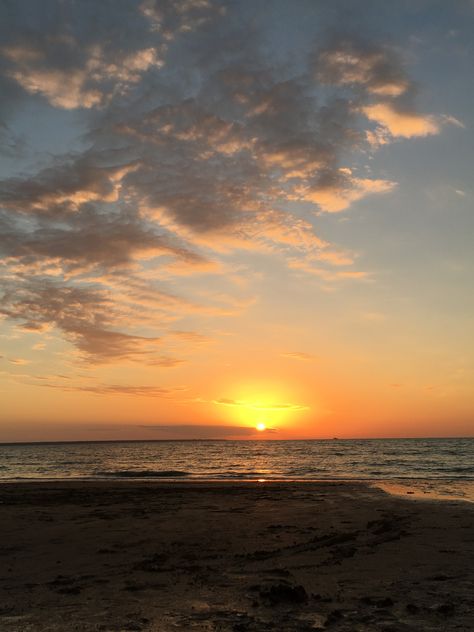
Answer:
(215, 215)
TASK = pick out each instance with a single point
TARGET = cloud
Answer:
(311, 267)
(89, 238)
(336, 258)
(264, 231)
(189, 336)
(19, 361)
(103, 317)
(351, 61)
(117, 389)
(401, 123)
(338, 195)
(191, 149)
(258, 405)
(452, 120)
(200, 431)
(83, 314)
(298, 355)
(269, 140)
(81, 86)
(382, 89)
(65, 186)
(85, 55)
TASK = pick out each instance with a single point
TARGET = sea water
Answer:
(369, 459)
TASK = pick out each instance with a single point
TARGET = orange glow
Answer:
(272, 405)
(246, 265)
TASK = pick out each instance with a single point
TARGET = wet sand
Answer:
(232, 557)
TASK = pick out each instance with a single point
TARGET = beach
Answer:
(287, 556)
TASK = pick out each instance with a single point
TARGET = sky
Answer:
(236, 219)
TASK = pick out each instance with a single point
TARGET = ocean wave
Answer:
(143, 473)
(244, 475)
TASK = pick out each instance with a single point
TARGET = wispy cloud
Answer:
(298, 355)
(120, 389)
(19, 361)
(129, 390)
(259, 405)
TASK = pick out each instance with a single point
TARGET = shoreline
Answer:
(161, 556)
(429, 489)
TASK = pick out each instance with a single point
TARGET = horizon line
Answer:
(201, 439)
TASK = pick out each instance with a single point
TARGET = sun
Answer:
(261, 426)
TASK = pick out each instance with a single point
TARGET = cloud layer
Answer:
(195, 148)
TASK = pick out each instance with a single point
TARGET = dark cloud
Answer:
(204, 193)
(88, 238)
(382, 90)
(250, 136)
(84, 54)
(351, 61)
(254, 150)
(64, 186)
(198, 431)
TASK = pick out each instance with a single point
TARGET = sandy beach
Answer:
(127, 555)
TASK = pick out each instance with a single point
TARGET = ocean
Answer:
(368, 459)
